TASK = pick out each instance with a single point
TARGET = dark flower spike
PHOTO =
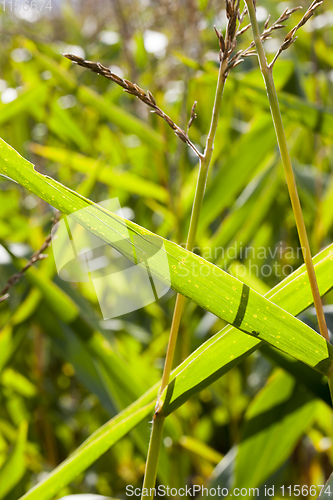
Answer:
(192, 116)
(243, 30)
(265, 35)
(37, 256)
(220, 39)
(135, 90)
(290, 37)
(267, 22)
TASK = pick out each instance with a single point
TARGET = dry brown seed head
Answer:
(291, 11)
(240, 32)
(308, 14)
(141, 92)
(151, 97)
(250, 53)
(241, 15)
(289, 35)
(305, 18)
(91, 64)
(193, 109)
(229, 9)
(129, 84)
(134, 90)
(117, 79)
(220, 38)
(236, 9)
(169, 121)
(231, 28)
(181, 134)
(267, 22)
(284, 15)
(192, 116)
(222, 44)
(237, 63)
(217, 32)
(73, 57)
(287, 43)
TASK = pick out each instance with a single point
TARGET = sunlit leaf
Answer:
(111, 177)
(210, 287)
(287, 293)
(97, 444)
(13, 470)
(274, 423)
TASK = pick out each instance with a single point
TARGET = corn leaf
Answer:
(228, 347)
(210, 287)
(274, 423)
(287, 293)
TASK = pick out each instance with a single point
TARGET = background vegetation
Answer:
(85, 132)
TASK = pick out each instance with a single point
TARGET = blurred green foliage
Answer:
(79, 128)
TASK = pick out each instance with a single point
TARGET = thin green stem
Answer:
(153, 455)
(215, 115)
(158, 421)
(267, 72)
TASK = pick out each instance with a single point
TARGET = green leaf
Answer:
(8, 341)
(239, 270)
(127, 122)
(111, 177)
(201, 449)
(245, 159)
(324, 220)
(229, 346)
(316, 118)
(287, 292)
(311, 116)
(67, 311)
(312, 380)
(74, 351)
(210, 287)
(242, 223)
(97, 444)
(6, 345)
(17, 382)
(29, 97)
(13, 470)
(66, 127)
(274, 423)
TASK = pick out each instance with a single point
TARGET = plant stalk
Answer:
(158, 420)
(267, 72)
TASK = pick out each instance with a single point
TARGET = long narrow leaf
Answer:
(274, 423)
(228, 347)
(287, 292)
(89, 451)
(14, 468)
(210, 287)
(123, 180)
